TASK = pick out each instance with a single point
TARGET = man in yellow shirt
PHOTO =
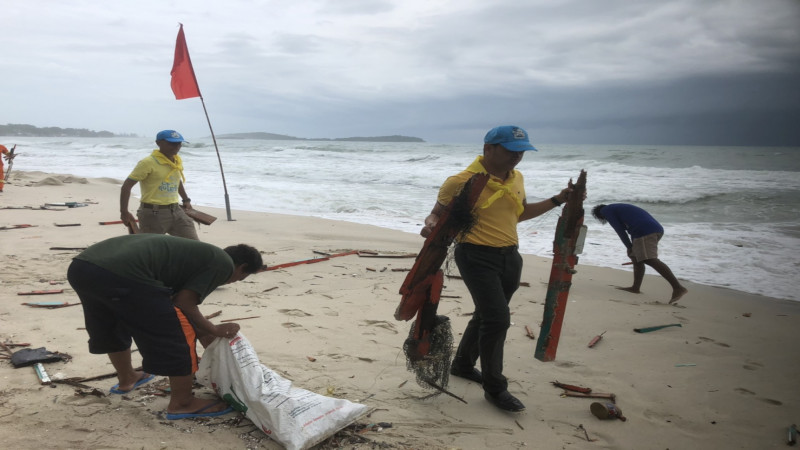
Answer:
(161, 178)
(487, 257)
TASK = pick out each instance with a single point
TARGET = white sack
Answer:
(294, 417)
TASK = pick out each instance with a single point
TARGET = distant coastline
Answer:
(282, 137)
(25, 130)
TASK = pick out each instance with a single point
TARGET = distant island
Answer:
(282, 137)
(24, 130)
(18, 129)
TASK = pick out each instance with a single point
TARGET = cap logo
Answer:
(518, 133)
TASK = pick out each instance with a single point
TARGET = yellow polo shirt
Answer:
(159, 179)
(497, 224)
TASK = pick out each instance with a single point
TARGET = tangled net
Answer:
(435, 366)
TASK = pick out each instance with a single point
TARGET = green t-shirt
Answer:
(163, 261)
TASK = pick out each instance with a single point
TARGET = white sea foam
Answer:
(730, 213)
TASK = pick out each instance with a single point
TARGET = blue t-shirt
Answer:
(630, 220)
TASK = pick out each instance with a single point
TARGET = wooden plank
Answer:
(564, 261)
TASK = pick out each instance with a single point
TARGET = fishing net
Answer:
(433, 367)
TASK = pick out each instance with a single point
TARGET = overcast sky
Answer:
(706, 72)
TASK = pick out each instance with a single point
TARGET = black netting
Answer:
(435, 366)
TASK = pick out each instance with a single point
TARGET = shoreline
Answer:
(724, 377)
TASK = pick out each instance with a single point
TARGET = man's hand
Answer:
(226, 330)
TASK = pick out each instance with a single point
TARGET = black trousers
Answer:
(492, 276)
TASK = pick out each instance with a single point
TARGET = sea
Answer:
(731, 214)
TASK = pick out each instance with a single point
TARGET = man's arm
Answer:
(432, 219)
(537, 209)
(619, 227)
(187, 202)
(124, 198)
(186, 301)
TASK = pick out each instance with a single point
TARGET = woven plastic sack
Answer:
(294, 417)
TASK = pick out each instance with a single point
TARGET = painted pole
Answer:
(566, 246)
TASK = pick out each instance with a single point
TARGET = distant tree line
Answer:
(283, 137)
(18, 129)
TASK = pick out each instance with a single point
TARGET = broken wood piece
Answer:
(449, 296)
(529, 332)
(212, 315)
(441, 389)
(658, 327)
(241, 318)
(50, 305)
(67, 224)
(586, 433)
(14, 227)
(398, 269)
(524, 283)
(571, 387)
(114, 222)
(68, 248)
(52, 291)
(611, 397)
(199, 216)
(596, 339)
(386, 255)
(371, 269)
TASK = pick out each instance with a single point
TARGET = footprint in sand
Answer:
(744, 391)
(752, 365)
(721, 344)
(294, 312)
(382, 324)
(771, 401)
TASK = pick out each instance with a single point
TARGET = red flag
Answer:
(184, 83)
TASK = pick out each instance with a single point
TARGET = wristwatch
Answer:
(187, 200)
(555, 201)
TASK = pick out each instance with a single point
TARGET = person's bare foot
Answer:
(207, 405)
(676, 295)
(629, 289)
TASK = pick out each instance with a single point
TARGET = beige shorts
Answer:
(645, 247)
(167, 220)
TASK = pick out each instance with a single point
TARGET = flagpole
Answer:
(221, 171)
(183, 88)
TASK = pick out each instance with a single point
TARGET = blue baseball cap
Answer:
(170, 136)
(510, 137)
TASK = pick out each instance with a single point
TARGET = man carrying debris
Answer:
(147, 288)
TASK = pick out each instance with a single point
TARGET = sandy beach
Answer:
(726, 378)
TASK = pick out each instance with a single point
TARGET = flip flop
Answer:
(143, 380)
(200, 413)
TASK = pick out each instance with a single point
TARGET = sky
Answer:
(660, 72)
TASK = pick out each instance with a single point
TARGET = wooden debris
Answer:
(596, 339)
(67, 224)
(45, 292)
(14, 227)
(68, 248)
(364, 254)
(611, 397)
(212, 315)
(50, 305)
(441, 389)
(571, 387)
(241, 318)
(529, 332)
